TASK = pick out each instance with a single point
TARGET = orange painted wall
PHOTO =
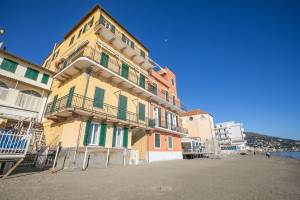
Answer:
(164, 142)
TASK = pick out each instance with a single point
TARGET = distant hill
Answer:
(263, 141)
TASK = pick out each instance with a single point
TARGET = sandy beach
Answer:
(237, 177)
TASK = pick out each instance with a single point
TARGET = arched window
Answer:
(3, 85)
(31, 92)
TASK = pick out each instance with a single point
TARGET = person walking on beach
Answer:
(268, 154)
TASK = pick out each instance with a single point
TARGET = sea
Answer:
(295, 155)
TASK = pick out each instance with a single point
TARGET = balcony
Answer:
(78, 104)
(86, 58)
(162, 125)
(120, 42)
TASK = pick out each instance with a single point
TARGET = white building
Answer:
(230, 136)
(24, 89)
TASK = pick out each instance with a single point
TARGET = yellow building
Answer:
(100, 93)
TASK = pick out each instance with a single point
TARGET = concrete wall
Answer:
(199, 126)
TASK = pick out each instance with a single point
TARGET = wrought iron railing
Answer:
(115, 66)
(170, 126)
(104, 110)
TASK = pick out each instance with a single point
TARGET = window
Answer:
(120, 137)
(167, 95)
(88, 25)
(174, 100)
(79, 33)
(143, 54)
(142, 80)
(31, 73)
(45, 78)
(168, 120)
(55, 54)
(104, 59)
(125, 70)
(84, 28)
(95, 134)
(170, 142)
(127, 41)
(53, 105)
(106, 24)
(157, 116)
(9, 65)
(98, 97)
(157, 140)
(141, 111)
(172, 80)
(72, 40)
(3, 85)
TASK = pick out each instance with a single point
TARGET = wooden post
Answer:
(13, 168)
(84, 160)
(107, 158)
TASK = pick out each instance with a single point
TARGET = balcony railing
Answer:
(104, 111)
(169, 126)
(112, 65)
(115, 66)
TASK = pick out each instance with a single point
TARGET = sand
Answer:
(234, 178)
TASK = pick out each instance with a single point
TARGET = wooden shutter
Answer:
(157, 140)
(159, 117)
(9, 65)
(31, 73)
(125, 137)
(70, 96)
(141, 112)
(142, 80)
(114, 137)
(52, 109)
(122, 107)
(87, 132)
(125, 70)
(98, 98)
(104, 59)
(45, 78)
(102, 135)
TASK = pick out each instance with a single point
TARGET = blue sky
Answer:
(238, 60)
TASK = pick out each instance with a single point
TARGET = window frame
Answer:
(155, 135)
(172, 142)
(28, 73)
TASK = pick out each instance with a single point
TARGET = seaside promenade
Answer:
(236, 177)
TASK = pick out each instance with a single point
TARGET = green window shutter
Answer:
(31, 73)
(45, 78)
(9, 65)
(166, 118)
(171, 120)
(104, 60)
(142, 80)
(167, 95)
(52, 109)
(70, 96)
(157, 140)
(176, 118)
(159, 117)
(122, 110)
(102, 135)
(98, 97)
(114, 137)
(87, 132)
(170, 142)
(141, 112)
(125, 137)
(125, 70)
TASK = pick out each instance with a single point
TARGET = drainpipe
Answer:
(88, 72)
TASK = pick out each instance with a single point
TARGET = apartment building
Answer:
(163, 142)
(230, 136)
(101, 93)
(24, 89)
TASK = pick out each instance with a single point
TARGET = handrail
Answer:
(80, 102)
